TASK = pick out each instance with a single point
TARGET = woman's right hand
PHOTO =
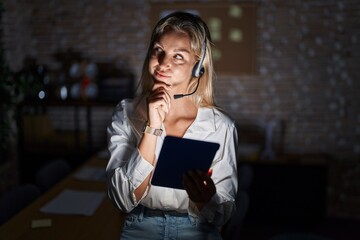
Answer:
(159, 103)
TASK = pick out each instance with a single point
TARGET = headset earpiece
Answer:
(198, 69)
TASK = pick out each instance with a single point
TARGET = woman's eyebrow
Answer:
(182, 50)
(157, 44)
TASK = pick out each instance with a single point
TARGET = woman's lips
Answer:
(161, 75)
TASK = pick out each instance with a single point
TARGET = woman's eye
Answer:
(178, 57)
(157, 50)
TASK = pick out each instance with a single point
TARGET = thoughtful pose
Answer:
(176, 100)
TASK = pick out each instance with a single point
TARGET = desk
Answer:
(104, 224)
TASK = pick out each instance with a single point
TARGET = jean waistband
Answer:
(156, 212)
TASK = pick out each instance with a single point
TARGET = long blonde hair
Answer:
(199, 34)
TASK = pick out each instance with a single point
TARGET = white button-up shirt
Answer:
(127, 169)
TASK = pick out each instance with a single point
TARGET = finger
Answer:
(191, 189)
(165, 95)
(199, 183)
(159, 100)
(161, 85)
(156, 111)
(198, 178)
(205, 185)
(158, 84)
(161, 105)
(161, 93)
(206, 177)
(168, 97)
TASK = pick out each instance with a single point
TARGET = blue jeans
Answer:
(145, 223)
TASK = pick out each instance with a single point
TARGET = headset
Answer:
(197, 71)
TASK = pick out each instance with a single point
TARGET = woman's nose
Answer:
(164, 61)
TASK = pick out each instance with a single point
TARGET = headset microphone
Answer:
(197, 71)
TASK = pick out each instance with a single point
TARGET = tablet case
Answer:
(179, 155)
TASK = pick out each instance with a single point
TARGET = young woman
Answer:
(178, 62)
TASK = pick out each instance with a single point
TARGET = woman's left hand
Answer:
(199, 186)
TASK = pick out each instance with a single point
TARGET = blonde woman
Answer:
(176, 100)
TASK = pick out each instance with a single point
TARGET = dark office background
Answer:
(303, 93)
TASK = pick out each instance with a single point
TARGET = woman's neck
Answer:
(181, 115)
(182, 108)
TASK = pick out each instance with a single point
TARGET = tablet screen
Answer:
(179, 155)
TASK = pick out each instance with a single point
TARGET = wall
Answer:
(307, 57)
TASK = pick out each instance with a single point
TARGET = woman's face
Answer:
(172, 60)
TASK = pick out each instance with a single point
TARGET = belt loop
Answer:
(193, 220)
(141, 214)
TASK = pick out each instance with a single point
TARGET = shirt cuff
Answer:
(138, 169)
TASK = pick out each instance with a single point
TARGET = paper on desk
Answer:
(74, 202)
(90, 173)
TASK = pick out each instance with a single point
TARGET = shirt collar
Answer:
(205, 121)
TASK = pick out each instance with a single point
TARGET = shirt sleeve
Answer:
(222, 205)
(126, 169)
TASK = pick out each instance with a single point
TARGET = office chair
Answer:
(16, 199)
(51, 173)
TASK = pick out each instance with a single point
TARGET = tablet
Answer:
(179, 155)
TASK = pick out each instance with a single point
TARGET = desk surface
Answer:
(104, 224)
